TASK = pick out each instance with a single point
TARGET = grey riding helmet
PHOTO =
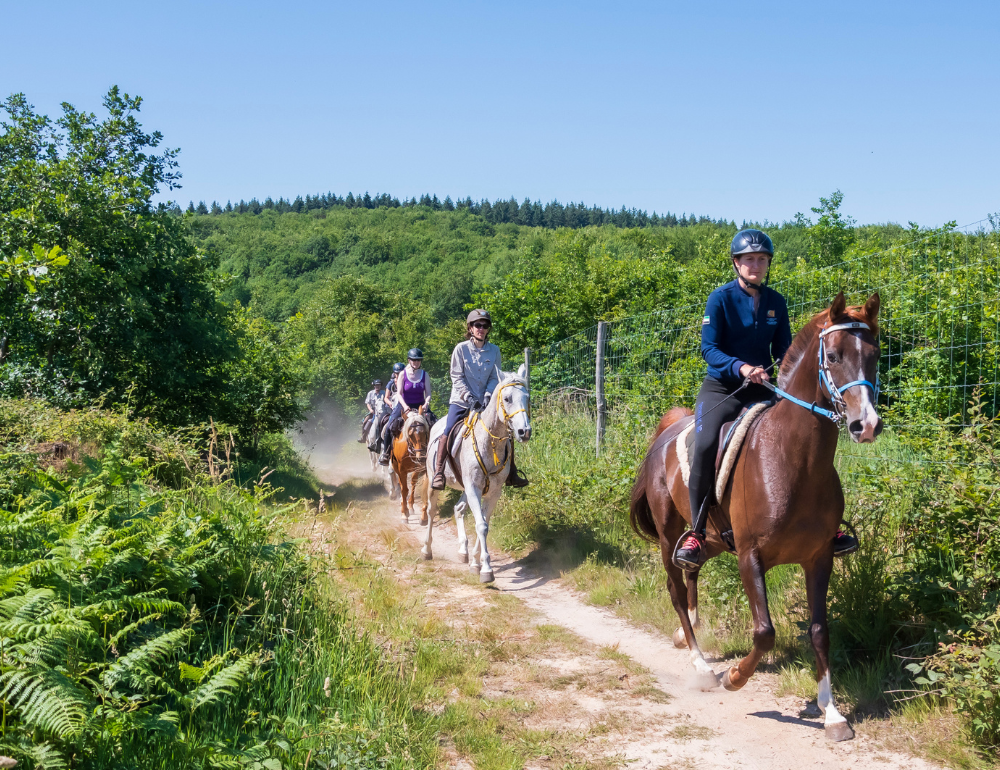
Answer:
(751, 242)
(376, 383)
(415, 354)
(478, 315)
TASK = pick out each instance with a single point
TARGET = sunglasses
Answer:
(481, 326)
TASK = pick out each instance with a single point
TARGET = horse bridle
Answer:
(826, 382)
(471, 426)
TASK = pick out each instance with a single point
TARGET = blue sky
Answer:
(736, 110)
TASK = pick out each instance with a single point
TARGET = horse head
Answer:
(513, 402)
(850, 356)
(417, 431)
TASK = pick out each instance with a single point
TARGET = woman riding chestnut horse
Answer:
(412, 391)
(745, 324)
(782, 502)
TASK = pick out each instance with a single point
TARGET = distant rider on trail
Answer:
(371, 400)
(475, 364)
(412, 391)
(744, 329)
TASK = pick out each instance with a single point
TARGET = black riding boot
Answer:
(514, 477)
(383, 457)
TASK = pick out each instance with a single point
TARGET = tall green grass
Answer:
(144, 625)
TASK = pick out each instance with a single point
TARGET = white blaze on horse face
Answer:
(824, 700)
(860, 400)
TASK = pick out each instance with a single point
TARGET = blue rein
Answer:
(826, 381)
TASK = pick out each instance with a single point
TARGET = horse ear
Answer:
(522, 371)
(838, 307)
(872, 306)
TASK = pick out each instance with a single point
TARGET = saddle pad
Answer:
(732, 448)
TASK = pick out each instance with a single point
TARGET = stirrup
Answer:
(685, 556)
(844, 544)
(516, 479)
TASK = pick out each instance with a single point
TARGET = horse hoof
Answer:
(839, 731)
(486, 577)
(427, 556)
(680, 641)
(423, 522)
(463, 558)
(733, 680)
(473, 568)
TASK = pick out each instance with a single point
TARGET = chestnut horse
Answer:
(408, 460)
(783, 498)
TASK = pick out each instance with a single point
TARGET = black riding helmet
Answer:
(397, 368)
(376, 383)
(415, 354)
(751, 242)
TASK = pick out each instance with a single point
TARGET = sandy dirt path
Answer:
(751, 728)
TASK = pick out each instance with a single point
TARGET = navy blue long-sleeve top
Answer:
(733, 333)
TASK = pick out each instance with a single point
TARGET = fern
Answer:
(222, 684)
(143, 658)
(46, 699)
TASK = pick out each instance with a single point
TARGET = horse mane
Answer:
(414, 415)
(804, 340)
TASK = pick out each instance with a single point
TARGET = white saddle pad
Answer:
(729, 459)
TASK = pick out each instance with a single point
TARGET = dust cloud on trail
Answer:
(328, 440)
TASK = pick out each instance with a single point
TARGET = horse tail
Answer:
(640, 514)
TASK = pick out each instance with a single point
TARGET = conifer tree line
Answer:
(532, 214)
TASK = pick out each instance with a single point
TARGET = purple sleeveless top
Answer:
(413, 392)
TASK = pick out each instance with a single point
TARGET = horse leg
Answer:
(423, 498)
(463, 538)
(475, 501)
(704, 678)
(691, 582)
(752, 575)
(429, 510)
(404, 491)
(817, 582)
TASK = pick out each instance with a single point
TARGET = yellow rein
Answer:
(470, 424)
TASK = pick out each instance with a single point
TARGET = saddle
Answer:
(731, 436)
(366, 423)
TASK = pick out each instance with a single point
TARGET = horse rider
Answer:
(413, 390)
(474, 366)
(371, 400)
(744, 329)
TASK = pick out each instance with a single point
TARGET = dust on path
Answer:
(751, 728)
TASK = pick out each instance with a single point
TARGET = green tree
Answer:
(832, 234)
(134, 304)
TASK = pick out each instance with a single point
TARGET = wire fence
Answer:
(940, 341)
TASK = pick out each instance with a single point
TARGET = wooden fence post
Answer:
(602, 407)
(527, 367)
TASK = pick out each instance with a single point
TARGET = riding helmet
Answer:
(478, 315)
(415, 354)
(397, 368)
(751, 242)
(376, 383)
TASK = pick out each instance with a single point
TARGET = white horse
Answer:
(483, 459)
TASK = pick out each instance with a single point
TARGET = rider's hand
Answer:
(755, 374)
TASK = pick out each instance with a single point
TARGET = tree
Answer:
(832, 233)
(134, 304)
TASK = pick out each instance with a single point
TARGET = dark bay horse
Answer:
(408, 460)
(783, 499)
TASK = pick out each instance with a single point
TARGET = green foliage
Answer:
(830, 237)
(148, 626)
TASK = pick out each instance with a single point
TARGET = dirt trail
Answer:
(748, 729)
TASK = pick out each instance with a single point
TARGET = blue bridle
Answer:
(826, 379)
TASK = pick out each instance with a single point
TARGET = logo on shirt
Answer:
(706, 321)
(770, 314)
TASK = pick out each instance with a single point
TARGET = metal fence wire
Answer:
(940, 336)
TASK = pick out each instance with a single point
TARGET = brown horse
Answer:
(783, 499)
(408, 460)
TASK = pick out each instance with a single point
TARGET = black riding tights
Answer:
(716, 405)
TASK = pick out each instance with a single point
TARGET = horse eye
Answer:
(832, 357)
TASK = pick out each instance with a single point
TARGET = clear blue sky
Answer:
(730, 109)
